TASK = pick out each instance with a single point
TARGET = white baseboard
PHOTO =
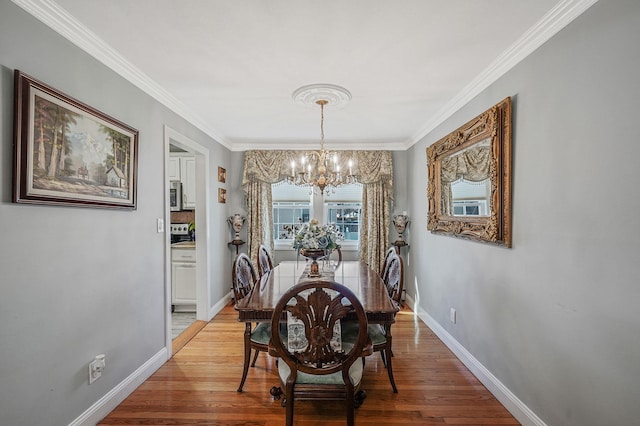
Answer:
(215, 309)
(115, 396)
(517, 408)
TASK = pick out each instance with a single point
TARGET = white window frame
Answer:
(480, 204)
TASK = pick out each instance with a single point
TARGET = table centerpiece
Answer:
(314, 241)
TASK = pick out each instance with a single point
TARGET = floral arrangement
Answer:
(320, 237)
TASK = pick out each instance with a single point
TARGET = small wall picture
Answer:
(222, 195)
(222, 174)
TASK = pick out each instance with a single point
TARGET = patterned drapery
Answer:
(376, 200)
(373, 168)
(259, 217)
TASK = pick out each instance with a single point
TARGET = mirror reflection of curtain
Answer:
(472, 165)
(375, 173)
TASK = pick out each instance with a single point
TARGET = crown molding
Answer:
(375, 145)
(549, 25)
(52, 15)
(59, 20)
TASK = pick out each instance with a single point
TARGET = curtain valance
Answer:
(472, 165)
(275, 165)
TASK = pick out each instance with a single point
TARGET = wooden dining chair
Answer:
(381, 335)
(385, 262)
(394, 278)
(255, 337)
(316, 360)
(265, 263)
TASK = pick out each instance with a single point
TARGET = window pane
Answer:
(473, 210)
(287, 218)
(286, 215)
(347, 217)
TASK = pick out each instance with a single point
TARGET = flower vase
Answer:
(314, 255)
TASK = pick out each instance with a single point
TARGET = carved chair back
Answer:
(315, 307)
(385, 263)
(243, 275)
(265, 264)
(394, 277)
(319, 305)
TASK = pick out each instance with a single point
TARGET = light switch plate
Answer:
(160, 224)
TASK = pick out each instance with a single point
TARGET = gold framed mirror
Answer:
(469, 187)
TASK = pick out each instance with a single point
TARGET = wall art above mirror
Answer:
(469, 188)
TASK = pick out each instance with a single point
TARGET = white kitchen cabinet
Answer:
(174, 168)
(183, 168)
(183, 276)
(188, 179)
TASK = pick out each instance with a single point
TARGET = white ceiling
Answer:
(230, 67)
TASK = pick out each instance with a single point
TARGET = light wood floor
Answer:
(198, 386)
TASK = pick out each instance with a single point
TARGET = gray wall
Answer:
(555, 318)
(78, 282)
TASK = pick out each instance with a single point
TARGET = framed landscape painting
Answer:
(68, 153)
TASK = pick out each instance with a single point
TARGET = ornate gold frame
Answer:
(495, 123)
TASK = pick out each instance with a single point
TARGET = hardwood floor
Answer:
(198, 386)
(188, 334)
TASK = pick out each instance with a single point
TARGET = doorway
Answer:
(199, 191)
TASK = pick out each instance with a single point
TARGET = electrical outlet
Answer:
(96, 367)
(452, 315)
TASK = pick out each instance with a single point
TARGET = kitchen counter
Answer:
(184, 244)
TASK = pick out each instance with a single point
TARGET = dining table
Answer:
(358, 276)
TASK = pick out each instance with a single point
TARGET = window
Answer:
(347, 217)
(287, 216)
(470, 198)
(293, 205)
(470, 208)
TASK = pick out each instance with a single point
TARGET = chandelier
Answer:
(320, 170)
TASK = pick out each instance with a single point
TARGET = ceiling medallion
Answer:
(309, 95)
